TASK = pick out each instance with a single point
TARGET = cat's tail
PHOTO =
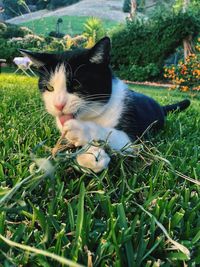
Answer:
(176, 107)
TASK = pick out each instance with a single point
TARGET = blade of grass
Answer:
(177, 245)
(123, 225)
(41, 252)
(79, 222)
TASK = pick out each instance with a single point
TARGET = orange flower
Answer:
(184, 88)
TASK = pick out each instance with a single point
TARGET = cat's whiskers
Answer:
(77, 81)
(66, 64)
(93, 97)
(78, 68)
(88, 108)
(44, 82)
(46, 70)
(43, 71)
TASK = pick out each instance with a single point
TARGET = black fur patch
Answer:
(139, 113)
(84, 77)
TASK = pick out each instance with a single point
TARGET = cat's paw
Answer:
(95, 159)
(76, 132)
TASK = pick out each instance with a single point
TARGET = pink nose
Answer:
(60, 106)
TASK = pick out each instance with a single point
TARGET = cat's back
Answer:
(139, 112)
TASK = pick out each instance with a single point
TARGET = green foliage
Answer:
(96, 217)
(138, 73)
(10, 30)
(10, 37)
(127, 6)
(141, 43)
(93, 31)
(14, 7)
(71, 25)
(192, 5)
(8, 51)
(186, 75)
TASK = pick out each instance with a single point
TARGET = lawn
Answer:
(71, 25)
(115, 218)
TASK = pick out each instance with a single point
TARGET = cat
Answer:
(91, 104)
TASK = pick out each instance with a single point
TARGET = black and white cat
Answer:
(89, 103)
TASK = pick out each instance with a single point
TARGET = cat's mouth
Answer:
(65, 117)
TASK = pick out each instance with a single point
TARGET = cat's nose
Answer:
(59, 106)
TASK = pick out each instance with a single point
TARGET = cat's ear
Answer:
(100, 53)
(38, 59)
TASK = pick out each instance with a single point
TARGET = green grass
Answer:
(107, 218)
(71, 25)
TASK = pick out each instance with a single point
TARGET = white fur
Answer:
(60, 96)
(97, 58)
(98, 54)
(80, 133)
(96, 122)
(95, 158)
(112, 111)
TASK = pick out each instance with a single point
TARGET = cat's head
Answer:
(77, 82)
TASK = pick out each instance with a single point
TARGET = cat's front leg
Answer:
(93, 158)
(80, 133)
(76, 132)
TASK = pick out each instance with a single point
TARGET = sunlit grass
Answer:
(71, 25)
(98, 218)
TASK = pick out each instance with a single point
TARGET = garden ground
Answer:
(110, 218)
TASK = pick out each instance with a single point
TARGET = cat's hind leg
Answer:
(94, 158)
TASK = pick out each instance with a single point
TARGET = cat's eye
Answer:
(49, 88)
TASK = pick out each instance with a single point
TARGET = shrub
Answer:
(14, 7)
(8, 31)
(138, 73)
(8, 51)
(93, 31)
(10, 48)
(185, 76)
(127, 6)
(141, 43)
(56, 34)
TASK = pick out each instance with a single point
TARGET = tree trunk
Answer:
(187, 42)
(133, 9)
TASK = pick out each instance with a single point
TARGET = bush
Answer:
(8, 51)
(93, 31)
(141, 43)
(138, 73)
(14, 7)
(127, 6)
(185, 76)
(56, 34)
(8, 31)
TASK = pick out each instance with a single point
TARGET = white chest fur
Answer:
(111, 113)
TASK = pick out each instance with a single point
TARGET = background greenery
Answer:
(140, 55)
(76, 32)
(71, 25)
(74, 214)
